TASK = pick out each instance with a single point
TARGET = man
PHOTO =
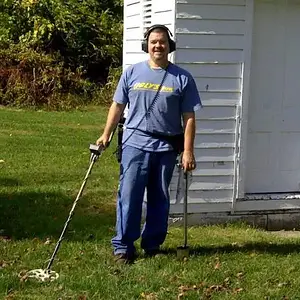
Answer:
(160, 95)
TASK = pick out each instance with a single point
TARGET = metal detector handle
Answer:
(96, 150)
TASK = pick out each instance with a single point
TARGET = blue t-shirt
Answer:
(138, 86)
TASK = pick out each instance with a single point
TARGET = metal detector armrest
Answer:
(96, 149)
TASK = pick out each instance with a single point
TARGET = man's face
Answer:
(158, 45)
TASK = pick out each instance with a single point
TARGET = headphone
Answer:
(172, 44)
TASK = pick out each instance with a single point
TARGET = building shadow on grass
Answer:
(9, 182)
(283, 248)
(42, 215)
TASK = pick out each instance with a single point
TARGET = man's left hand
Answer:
(188, 161)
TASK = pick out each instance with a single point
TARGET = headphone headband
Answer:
(156, 26)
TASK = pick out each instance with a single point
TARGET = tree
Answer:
(82, 36)
(86, 33)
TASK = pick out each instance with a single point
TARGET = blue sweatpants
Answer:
(141, 169)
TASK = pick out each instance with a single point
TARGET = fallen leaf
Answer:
(1, 161)
(281, 284)
(216, 287)
(239, 275)
(183, 288)
(237, 290)
(48, 241)
(59, 288)
(181, 295)
(4, 264)
(24, 277)
(149, 296)
(10, 295)
(217, 266)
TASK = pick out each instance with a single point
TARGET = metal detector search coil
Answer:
(42, 275)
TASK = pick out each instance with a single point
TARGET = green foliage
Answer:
(105, 94)
(31, 78)
(55, 49)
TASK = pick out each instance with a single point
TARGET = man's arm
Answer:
(188, 159)
(113, 117)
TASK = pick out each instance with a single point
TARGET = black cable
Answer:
(147, 113)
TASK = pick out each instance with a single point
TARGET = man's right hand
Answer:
(103, 140)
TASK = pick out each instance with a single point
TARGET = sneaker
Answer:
(123, 259)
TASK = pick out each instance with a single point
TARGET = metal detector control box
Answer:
(96, 149)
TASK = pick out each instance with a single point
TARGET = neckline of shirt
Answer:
(158, 69)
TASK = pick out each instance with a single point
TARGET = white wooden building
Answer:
(244, 56)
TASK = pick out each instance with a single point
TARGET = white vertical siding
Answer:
(136, 13)
(133, 32)
(210, 45)
(164, 13)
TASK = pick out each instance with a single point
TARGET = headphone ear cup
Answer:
(172, 45)
(145, 46)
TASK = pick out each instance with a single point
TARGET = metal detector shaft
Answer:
(93, 160)
(96, 151)
(185, 204)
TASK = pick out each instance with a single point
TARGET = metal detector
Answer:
(47, 274)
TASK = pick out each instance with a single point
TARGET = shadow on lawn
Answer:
(9, 182)
(42, 215)
(255, 247)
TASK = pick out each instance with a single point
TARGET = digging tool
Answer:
(183, 251)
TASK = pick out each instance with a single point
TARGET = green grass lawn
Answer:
(43, 159)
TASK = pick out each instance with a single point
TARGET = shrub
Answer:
(105, 94)
(30, 78)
